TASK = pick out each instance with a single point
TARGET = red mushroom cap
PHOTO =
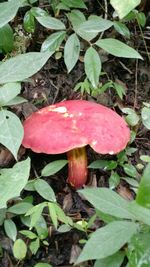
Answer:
(75, 123)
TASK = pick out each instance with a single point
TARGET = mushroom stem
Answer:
(77, 167)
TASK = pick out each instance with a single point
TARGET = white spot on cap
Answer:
(60, 109)
(80, 113)
(111, 152)
(94, 142)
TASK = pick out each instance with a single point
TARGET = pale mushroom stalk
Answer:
(77, 167)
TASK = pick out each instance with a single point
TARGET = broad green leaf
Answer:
(145, 158)
(95, 24)
(8, 91)
(74, 3)
(143, 194)
(107, 240)
(92, 65)
(29, 22)
(53, 42)
(111, 261)
(41, 228)
(76, 17)
(16, 101)
(130, 170)
(117, 48)
(19, 249)
(53, 167)
(28, 234)
(44, 189)
(71, 51)
(11, 131)
(41, 264)
(53, 214)
(107, 201)
(99, 164)
(146, 117)
(34, 246)
(6, 38)
(124, 7)
(38, 12)
(20, 208)
(51, 23)
(22, 66)
(13, 180)
(10, 229)
(141, 214)
(8, 11)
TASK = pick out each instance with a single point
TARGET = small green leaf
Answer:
(143, 194)
(92, 64)
(121, 28)
(11, 131)
(130, 170)
(145, 158)
(51, 23)
(74, 3)
(6, 38)
(53, 42)
(8, 91)
(44, 189)
(22, 66)
(35, 213)
(107, 201)
(53, 213)
(117, 48)
(53, 167)
(19, 249)
(34, 246)
(38, 12)
(132, 118)
(71, 51)
(107, 240)
(124, 7)
(41, 264)
(29, 22)
(16, 101)
(28, 234)
(99, 164)
(146, 117)
(114, 180)
(112, 261)
(20, 208)
(10, 229)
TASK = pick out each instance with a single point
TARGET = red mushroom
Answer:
(71, 125)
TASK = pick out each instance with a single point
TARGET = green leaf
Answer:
(76, 17)
(74, 3)
(53, 42)
(92, 65)
(8, 91)
(132, 118)
(117, 48)
(11, 131)
(8, 11)
(20, 208)
(44, 190)
(13, 180)
(38, 12)
(119, 89)
(34, 246)
(28, 234)
(6, 38)
(107, 201)
(10, 229)
(19, 249)
(124, 7)
(40, 264)
(143, 194)
(51, 23)
(122, 28)
(35, 213)
(99, 164)
(22, 66)
(41, 228)
(107, 240)
(16, 101)
(29, 22)
(53, 214)
(53, 167)
(94, 25)
(145, 158)
(140, 213)
(114, 180)
(130, 170)
(111, 261)
(71, 51)
(146, 117)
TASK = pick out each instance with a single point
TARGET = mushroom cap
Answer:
(71, 124)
